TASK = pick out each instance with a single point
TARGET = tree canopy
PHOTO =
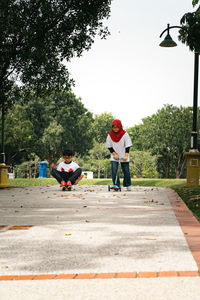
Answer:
(190, 31)
(167, 134)
(37, 35)
(102, 126)
(46, 126)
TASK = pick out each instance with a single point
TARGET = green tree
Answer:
(143, 164)
(38, 35)
(37, 38)
(189, 34)
(167, 134)
(51, 142)
(60, 121)
(45, 126)
(102, 126)
(20, 136)
(98, 155)
(136, 134)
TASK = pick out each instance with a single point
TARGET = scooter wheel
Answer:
(64, 188)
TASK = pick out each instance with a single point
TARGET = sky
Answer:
(128, 74)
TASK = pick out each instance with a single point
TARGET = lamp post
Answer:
(3, 167)
(193, 156)
(3, 160)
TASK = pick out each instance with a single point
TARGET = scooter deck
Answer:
(114, 187)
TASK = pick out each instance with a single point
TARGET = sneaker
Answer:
(69, 183)
(128, 188)
(63, 183)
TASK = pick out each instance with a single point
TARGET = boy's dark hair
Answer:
(68, 152)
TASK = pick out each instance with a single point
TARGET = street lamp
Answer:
(193, 156)
(3, 159)
(3, 167)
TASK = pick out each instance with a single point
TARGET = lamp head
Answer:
(168, 42)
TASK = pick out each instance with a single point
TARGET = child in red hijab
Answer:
(118, 142)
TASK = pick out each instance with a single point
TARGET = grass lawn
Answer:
(190, 195)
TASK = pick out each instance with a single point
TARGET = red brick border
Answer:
(188, 223)
(103, 275)
(16, 227)
(20, 227)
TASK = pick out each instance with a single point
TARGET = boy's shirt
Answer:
(72, 166)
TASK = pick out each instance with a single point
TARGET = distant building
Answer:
(11, 175)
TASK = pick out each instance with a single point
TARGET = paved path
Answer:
(93, 244)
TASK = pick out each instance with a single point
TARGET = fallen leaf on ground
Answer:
(68, 234)
(65, 196)
(150, 239)
(78, 196)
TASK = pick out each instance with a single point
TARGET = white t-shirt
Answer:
(65, 167)
(120, 146)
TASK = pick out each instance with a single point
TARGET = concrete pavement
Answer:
(93, 244)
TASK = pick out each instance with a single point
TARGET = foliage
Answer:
(136, 134)
(37, 36)
(98, 154)
(19, 136)
(97, 161)
(195, 2)
(167, 134)
(28, 169)
(52, 141)
(102, 126)
(190, 31)
(45, 126)
(143, 164)
(63, 122)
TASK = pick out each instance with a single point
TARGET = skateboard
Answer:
(66, 188)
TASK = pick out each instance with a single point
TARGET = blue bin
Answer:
(43, 169)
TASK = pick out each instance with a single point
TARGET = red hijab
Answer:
(116, 136)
